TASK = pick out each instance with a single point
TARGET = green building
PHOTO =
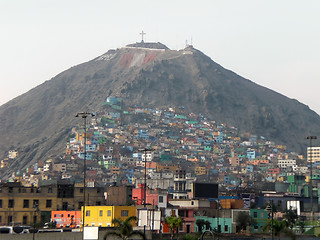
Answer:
(223, 224)
(260, 217)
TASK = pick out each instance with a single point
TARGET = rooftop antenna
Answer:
(187, 43)
(142, 33)
(191, 41)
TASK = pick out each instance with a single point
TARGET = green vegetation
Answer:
(174, 224)
(243, 220)
(124, 229)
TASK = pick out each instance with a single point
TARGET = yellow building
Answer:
(200, 171)
(25, 205)
(166, 168)
(102, 215)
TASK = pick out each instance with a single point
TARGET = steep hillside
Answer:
(38, 122)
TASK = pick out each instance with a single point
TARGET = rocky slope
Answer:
(38, 122)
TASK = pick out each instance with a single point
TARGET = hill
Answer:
(37, 123)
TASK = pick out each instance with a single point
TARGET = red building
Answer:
(152, 196)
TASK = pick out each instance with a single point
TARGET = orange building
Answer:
(260, 162)
(231, 203)
(274, 171)
(64, 219)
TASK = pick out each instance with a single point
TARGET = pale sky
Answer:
(274, 43)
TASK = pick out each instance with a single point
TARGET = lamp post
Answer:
(269, 208)
(84, 115)
(145, 150)
(36, 210)
(310, 159)
(218, 223)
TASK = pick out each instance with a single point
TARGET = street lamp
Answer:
(36, 210)
(84, 115)
(269, 208)
(145, 150)
(218, 222)
(309, 153)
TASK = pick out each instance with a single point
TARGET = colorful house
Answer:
(103, 215)
(71, 219)
(260, 217)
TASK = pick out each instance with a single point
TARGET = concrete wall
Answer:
(57, 236)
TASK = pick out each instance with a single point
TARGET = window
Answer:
(10, 190)
(124, 213)
(160, 199)
(187, 213)
(25, 203)
(24, 219)
(10, 220)
(173, 213)
(65, 206)
(181, 213)
(181, 228)
(50, 190)
(101, 213)
(11, 203)
(88, 213)
(80, 204)
(225, 228)
(32, 190)
(81, 190)
(48, 203)
(109, 213)
(255, 214)
(35, 203)
(98, 203)
(0, 204)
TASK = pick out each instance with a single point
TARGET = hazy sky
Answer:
(274, 43)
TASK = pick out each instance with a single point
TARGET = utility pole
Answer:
(84, 115)
(218, 222)
(36, 210)
(269, 208)
(145, 150)
(310, 159)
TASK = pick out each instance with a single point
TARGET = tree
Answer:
(174, 224)
(291, 217)
(124, 229)
(201, 224)
(301, 224)
(279, 226)
(243, 220)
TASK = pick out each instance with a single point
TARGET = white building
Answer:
(12, 154)
(284, 163)
(313, 154)
(147, 157)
